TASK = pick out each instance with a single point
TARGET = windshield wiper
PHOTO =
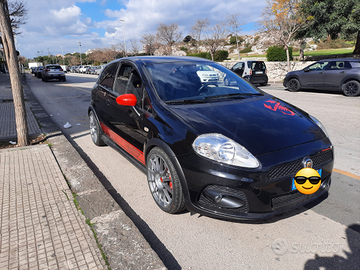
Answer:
(233, 95)
(185, 101)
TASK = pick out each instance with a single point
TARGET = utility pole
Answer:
(124, 36)
(80, 52)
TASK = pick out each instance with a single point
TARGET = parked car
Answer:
(99, 69)
(82, 69)
(72, 69)
(53, 72)
(253, 71)
(207, 75)
(38, 72)
(93, 69)
(330, 74)
(221, 151)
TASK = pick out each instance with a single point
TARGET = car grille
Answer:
(210, 205)
(290, 169)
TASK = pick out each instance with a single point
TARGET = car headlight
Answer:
(320, 125)
(222, 149)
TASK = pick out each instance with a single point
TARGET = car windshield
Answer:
(181, 82)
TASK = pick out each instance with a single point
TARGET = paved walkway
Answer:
(40, 226)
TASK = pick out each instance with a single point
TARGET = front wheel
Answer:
(164, 182)
(293, 85)
(351, 88)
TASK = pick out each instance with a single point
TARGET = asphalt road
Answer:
(310, 237)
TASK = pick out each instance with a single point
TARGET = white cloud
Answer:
(52, 22)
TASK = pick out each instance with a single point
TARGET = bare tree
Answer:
(7, 38)
(198, 28)
(215, 38)
(235, 27)
(134, 47)
(168, 34)
(149, 41)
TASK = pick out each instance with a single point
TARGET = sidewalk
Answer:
(40, 225)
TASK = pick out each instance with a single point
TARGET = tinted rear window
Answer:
(53, 67)
(257, 65)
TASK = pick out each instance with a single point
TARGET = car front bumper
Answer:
(234, 193)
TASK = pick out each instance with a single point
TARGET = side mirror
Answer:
(126, 100)
(306, 69)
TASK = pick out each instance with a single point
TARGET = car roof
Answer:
(163, 59)
(341, 59)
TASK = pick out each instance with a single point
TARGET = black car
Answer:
(252, 70)
(331, 74)
(222, 151)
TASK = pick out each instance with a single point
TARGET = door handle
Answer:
(108, 102)
(321, 72)
(342, 72)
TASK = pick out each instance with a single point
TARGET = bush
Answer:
(277, 53)
(205, 55)
(220, 56)
(246, 50)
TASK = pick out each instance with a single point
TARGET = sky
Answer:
(57, 26)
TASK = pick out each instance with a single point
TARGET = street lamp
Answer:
(62, 52)
(80, 52)
(124, 35)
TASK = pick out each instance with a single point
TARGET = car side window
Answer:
(354, 64)
(319, 66)
(108, 76)
(128, 82)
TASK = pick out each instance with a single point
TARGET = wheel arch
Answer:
(155, 142)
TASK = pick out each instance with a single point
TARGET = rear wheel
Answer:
(293, 85)
(95, 130)
(164, 182)
(351, 88)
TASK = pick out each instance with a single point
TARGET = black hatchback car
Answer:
(331, 74)
(222, 151)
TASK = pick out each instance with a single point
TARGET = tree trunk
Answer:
(357, 45)
(15, 79)
(288, 58)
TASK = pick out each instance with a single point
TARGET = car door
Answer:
(335, 73)
(313, 76)
(101, 94)
(127, 121)
(238, 68)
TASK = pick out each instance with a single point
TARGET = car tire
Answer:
(95, 130)
(263, 84)
(164, 182)
(64, 80)
(293, 85)
(351, 88)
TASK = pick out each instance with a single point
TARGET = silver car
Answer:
(53, 72)
(330, 74)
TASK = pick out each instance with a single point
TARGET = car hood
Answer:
(261, 125)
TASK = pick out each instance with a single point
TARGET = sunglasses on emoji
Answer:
(302, 179)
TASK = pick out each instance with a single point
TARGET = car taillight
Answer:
(47, 69)
(250, 71)
(60, 69)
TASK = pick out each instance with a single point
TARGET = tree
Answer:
(282, 20)
(198, 28)
(8, 44)
(168, 34)
(333, 19)
(235, 28)
(215, 38)
(149, 41)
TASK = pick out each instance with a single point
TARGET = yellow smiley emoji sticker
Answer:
(307, 181)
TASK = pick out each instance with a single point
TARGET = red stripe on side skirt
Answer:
(132, 150)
